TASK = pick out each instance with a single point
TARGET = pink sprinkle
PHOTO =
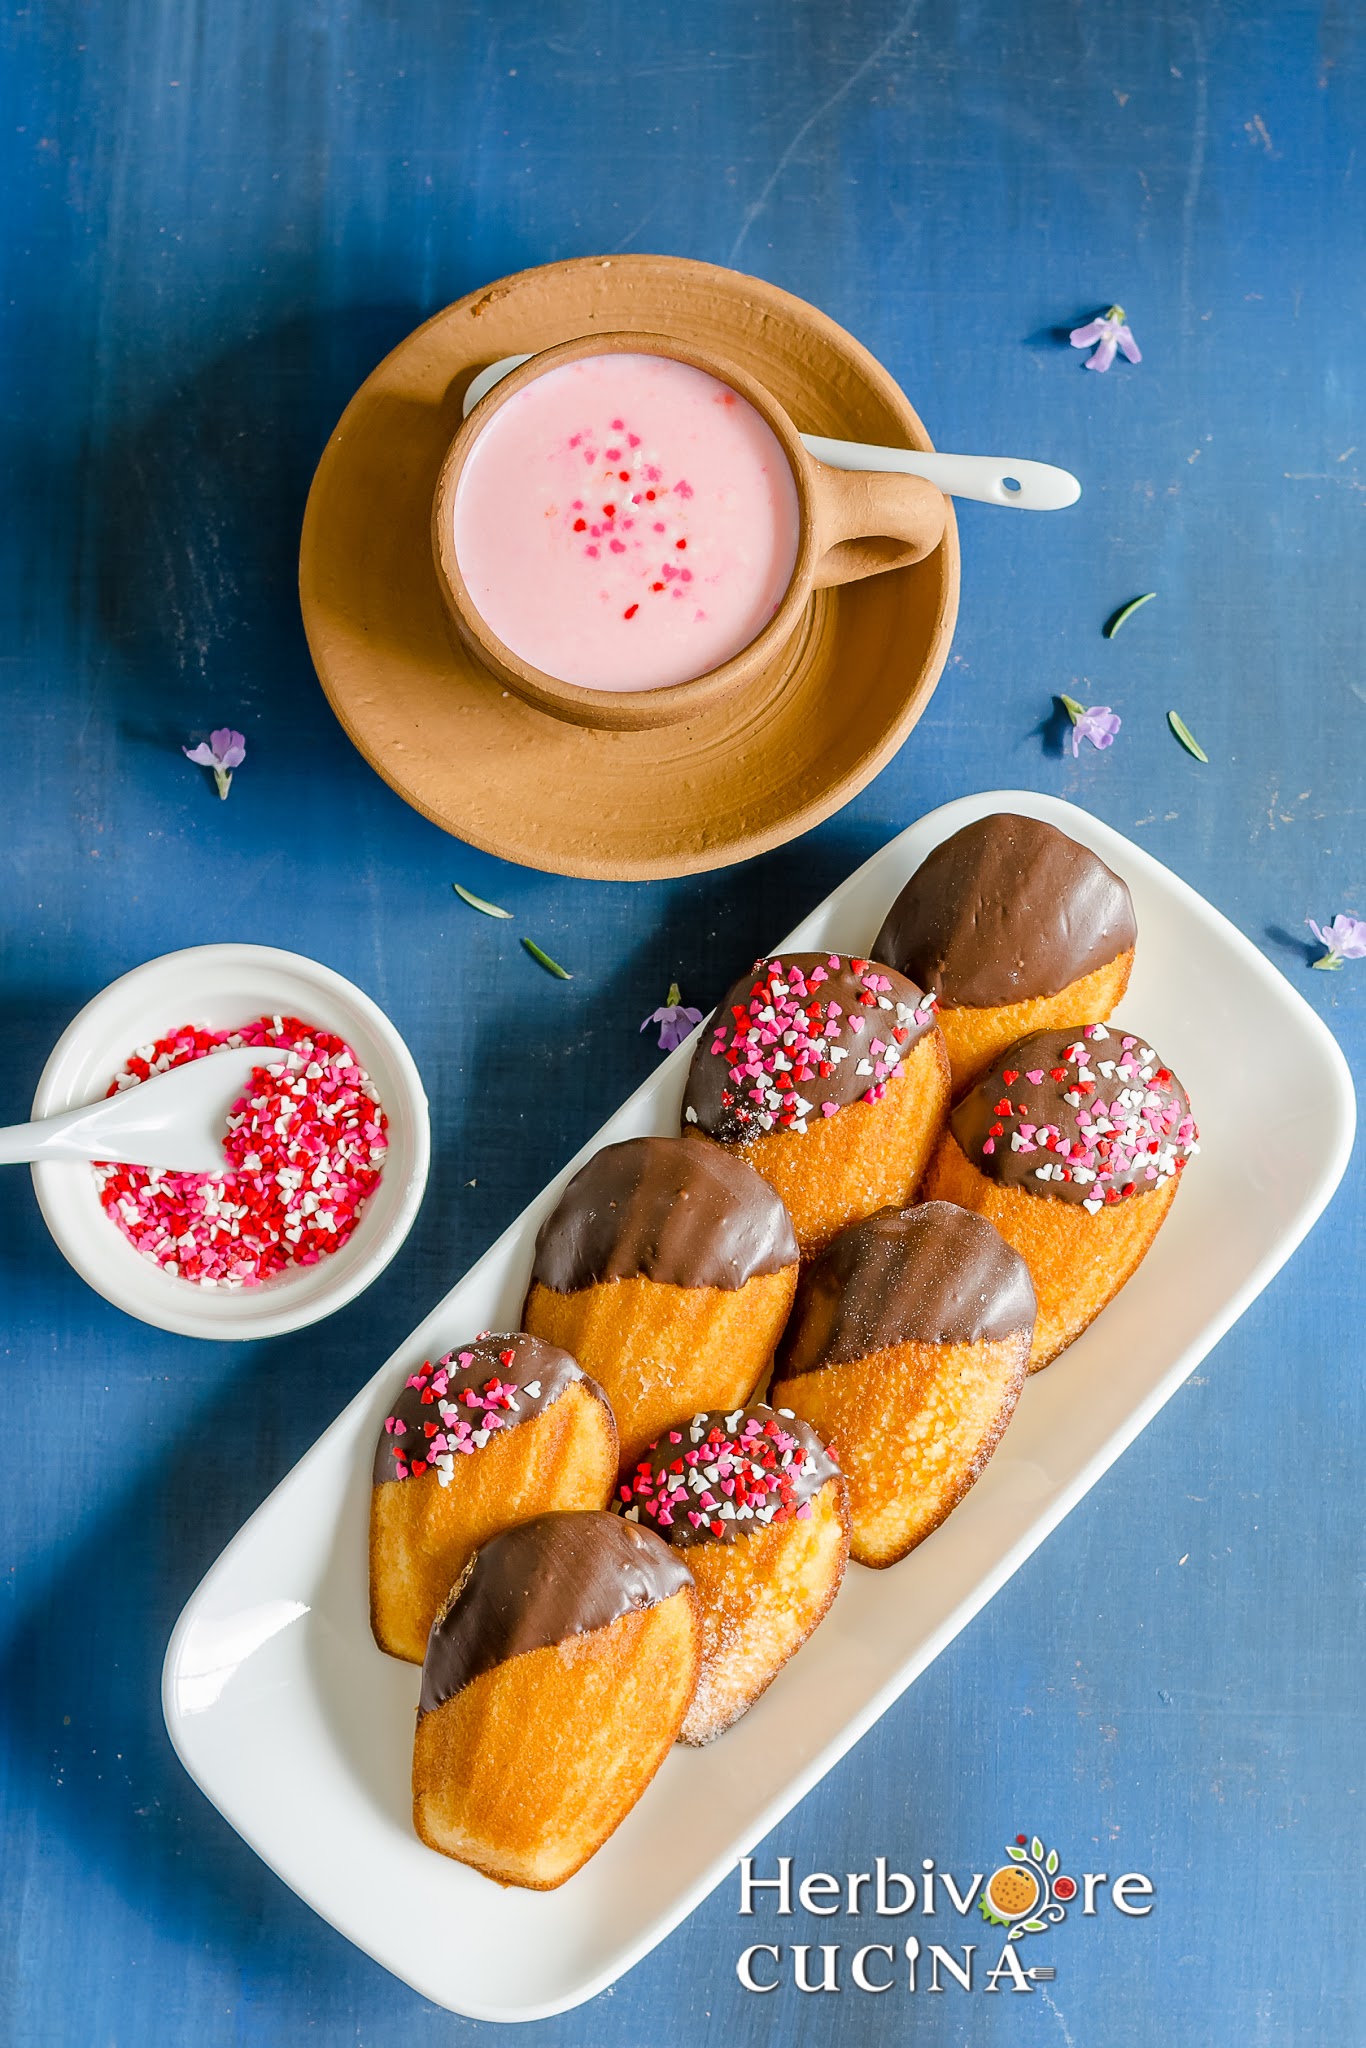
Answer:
(301, 1155)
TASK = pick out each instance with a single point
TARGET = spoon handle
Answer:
(990, 479)
(1040, 487)
(55, 1137)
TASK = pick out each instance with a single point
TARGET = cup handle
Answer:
(871, 520)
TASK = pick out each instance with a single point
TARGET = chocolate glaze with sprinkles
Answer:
(541, 1583)
(1089, 1116)
(933, 1274)
(451, 1406)
(727, 1474)
(800, 1038)
(1005, 910)
(674, 1210)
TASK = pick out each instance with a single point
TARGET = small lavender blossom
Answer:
(675, 1019)
(1108, 332)
(1345, 939)
(222, 751)
(1099, 724)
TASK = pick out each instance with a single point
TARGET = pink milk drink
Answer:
(626, 522)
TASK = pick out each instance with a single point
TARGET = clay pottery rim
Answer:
(475, 759)
(835, 511)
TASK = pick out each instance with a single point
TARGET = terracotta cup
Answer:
(852, 524)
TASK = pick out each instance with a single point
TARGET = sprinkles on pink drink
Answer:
(304, 1149)
(724, 1475)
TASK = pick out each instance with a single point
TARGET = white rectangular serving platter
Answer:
(300, 1731)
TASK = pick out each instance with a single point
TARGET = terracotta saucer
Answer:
(620, 806)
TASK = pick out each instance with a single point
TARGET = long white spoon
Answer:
(176, 1120)
(989, 479)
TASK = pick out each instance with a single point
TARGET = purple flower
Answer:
(222, 751)
(1345, 939)
(1108, 332)
(675, 1019)
(1099, 724)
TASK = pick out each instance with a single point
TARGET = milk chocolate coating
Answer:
(806, 1480)
(716, 1103)
(532, 1363)
(1007, 909)
(676, 1210)
(542, 1583)
(934, 1274)
(1147, 1102)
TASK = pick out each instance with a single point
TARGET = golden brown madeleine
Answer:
(1012, 927)
(757, 1504)
(1073, 1144)
(668, 1269)
(828, 1074)
(499, 1430)
(907, 1349)
(556, 1679)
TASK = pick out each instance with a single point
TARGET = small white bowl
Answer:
(221, 988)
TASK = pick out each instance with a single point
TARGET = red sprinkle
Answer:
(304, 1149)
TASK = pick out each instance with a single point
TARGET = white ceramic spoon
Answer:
(990, 479)
(176, 1120)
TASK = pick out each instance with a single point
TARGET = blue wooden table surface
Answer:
(217, 219)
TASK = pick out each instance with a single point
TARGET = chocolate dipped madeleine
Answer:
(1073, 1144)
(499, 1430)
(907, 1347)
(668, 1270)
(758, 1505)
(829, 1075)
(1012, 927)
(556, 1679)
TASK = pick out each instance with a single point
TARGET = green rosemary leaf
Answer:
(1186, 736)
(544, 960)
(478, 903)
(1126, 611)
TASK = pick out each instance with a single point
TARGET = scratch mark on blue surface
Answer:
(1195, 171)
(639, 228)
(827, 106)
(1046, 1996)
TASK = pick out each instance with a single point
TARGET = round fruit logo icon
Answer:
(1027, 1895)
(1013, 1892)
